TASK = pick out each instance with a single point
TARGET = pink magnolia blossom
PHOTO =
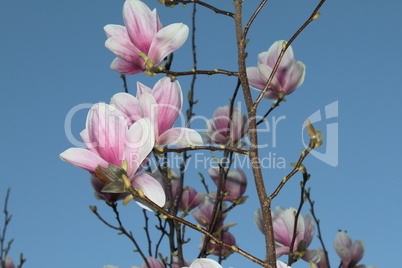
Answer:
(283, 224)
(236, 183)
(289, 75)
(216, 249)
(153, 263)
(162, 105)
(350, 253)
(203, 215)
(204, 263)
(190, 199)
(218, 127)
(143, 34)
(8, 263)
(109, 140)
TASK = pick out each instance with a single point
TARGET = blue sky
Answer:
(53, 58)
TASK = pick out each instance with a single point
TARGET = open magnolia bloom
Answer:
(283, 221)
(350, 253)
(162, 105)
(143, 33)
(110, 142)
(289, 75)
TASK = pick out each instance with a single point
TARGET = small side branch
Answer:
(120, 228)
(314, 15)
(210, 148)
(201, 3)
(196, 72)
(317, 222)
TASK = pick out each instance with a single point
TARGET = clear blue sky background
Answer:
(53, 58)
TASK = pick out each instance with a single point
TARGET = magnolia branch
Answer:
(195, 72)
(270, 255)
(252, 18)
(295, 256)
(195, 148)
(317, 222)
(201, 3)
(297, 167)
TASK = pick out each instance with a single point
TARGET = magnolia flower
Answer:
(218, 250)
(203, 215)
(204, 263)
(109, 140)
(283, 224)
(162, 105)
(190, 199)
(222, 130)
(8, 263)
(236, 183)
(350, 253)
(143, 34)
(288, 77)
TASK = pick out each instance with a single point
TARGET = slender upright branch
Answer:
(7, 218)
(317, 222)
(146, 229)
(295, 257)
(265, 202)
(258, 9)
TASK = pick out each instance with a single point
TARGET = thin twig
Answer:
(250, 21)
(317, 222)
(210, 148)
(120, 228)
(294, 257)
(163, 233)
(147, 232)
(284, 48)
(294, 171)
(276, 104)
(123, 77)
(216, 10)
(196, 72)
